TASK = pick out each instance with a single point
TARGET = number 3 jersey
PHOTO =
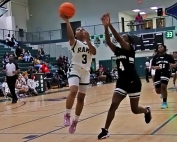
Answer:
(163, 61)
(125, 63)
(81, 55)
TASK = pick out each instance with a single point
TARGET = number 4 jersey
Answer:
(81, 55)
(125, 63)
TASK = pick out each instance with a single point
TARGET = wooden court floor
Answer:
(40, 119)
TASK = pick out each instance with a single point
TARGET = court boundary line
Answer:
(165, 123)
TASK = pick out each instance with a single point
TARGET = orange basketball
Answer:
(67, 9)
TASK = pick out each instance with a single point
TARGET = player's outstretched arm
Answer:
(118, 38)
(107, 36)
(91, 47)
(69, 30)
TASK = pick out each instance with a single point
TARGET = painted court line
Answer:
(48, 116)
(160, 127)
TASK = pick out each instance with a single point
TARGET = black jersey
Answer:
(125, 63)
(163, 61)
(175, 61)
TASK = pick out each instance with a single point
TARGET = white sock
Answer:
(68, 111)
(76, 118)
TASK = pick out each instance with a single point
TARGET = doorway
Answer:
(123, 24)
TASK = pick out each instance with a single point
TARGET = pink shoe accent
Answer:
(66, 120)
(72, 128)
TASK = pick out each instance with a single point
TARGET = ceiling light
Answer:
(154, 8)
(136, 10)
(142, 13)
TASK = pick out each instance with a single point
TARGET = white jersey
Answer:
(81, 55)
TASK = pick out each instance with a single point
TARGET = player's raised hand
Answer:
(64, 17)
(105, 19)
(86, 35)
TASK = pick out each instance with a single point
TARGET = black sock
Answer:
(164, 100)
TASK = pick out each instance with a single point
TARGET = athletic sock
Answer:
(76, 117)
(68, 111)
(164, 100)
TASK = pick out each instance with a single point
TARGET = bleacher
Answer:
(22, 64)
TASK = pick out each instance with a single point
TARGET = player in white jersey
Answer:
(78, 75)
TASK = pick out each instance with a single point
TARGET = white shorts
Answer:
(152, 72)
(79, 77)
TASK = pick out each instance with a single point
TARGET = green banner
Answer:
(97, 41)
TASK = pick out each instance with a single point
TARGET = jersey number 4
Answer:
(84, 59)
(121, 66)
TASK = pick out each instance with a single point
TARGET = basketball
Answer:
(67, 9)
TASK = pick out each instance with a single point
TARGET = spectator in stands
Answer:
(108, 76)
(27, 56)
(8, 41)
(37, 64)
(41, 54)
(45, 69)
(5, 89)
(139, 20)
(101, 69)
(101, 77)
(60, 61)
(18, 52)
(5, 58)
(67, 61)
(13, 39)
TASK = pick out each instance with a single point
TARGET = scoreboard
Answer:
(149, 41)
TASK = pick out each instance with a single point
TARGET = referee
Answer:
(11, 69)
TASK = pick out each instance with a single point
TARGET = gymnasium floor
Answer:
(40, 119)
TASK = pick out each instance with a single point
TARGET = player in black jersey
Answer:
(128, 81)
(162, 63)
(174, 70)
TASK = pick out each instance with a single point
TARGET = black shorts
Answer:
(130, 87)
(161, 77)
(174, 71)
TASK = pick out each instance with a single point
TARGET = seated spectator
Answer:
(42, 54)
(60, 61)
(8, 41)
(108, 75)
(19, 87)
(62, 73)
(27, 56)
(13, 39)
(5, 58)
(5, 89)
(101, 77)
(37, 64)
(18, 52)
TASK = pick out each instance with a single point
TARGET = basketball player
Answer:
(162, 63)
(78, 75)
(174, 70)
(128, 81)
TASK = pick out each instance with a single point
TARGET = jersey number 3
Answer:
(84, 59)
(121, 66)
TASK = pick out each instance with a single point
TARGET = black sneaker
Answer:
(104, 134)
(14, 101)
(148, 116)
